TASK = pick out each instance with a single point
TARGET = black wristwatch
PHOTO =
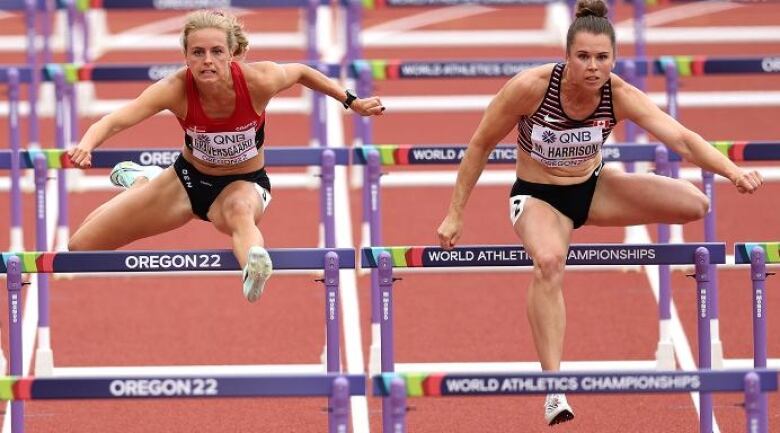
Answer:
(351, 96)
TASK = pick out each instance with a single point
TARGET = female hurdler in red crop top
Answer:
(228, 141)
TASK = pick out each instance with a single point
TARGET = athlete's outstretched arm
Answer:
(500, 117)
(151, 101)
(284, 76)
(636, 106)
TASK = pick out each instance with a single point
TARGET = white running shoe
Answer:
(557, 409)
(256, 272)
(125, 173)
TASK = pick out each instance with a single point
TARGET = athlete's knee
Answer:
(77, 243)
(697, 206)
(549, 265)
(235, 208)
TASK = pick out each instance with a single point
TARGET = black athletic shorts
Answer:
(203, 189)
(571, 200)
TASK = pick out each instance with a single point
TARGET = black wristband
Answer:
(350, 98)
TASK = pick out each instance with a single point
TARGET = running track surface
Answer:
(439, 318)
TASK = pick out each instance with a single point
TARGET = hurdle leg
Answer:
(337, 399)
(386, 322)
(373, 202)
(327, 222)
(664, 354)
(708, 185)
(14, 284)
(753, 403)
(398, 405)
(702, 260)
(44, 357)
(338, 415)
(758, 275)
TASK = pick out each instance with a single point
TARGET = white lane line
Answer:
(97, 21)
(416, 21)
(167, 25)
(682, 347)
(681, 12)
(350, 306)
(348, 280)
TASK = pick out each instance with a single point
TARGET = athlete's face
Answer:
(590, 60)
(207, 55)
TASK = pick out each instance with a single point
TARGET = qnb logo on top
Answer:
(565, 148)
(224, 148)
(202, 140)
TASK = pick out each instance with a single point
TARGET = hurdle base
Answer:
(324, 357)
(375, 352)
(17, 239)
(44, 362)
(664, 356)
(716, 351)
(63, 237)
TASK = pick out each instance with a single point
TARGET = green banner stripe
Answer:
(772, 250)
(399, 256)
(28, 262)
(379, 69)
(386, 155)
(414, 384)
(684, 65)
(722, 147)
(6, 388)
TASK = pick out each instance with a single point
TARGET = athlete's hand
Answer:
(80, 156)
(748, 181)
(449, 231)
(368, 106)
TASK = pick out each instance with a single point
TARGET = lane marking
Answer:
(422, 19)
(348, 286)
(681, 12)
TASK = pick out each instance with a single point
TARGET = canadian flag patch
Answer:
(602, 123)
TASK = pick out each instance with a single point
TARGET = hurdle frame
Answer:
(703, 255)
(395, 387)
(376, 157)
(43, 159)
(331, 260)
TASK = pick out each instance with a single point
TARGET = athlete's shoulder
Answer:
(260, 69)
(623, 91)
(532, 80)
(527, 88)
(168, 90)
(176, 78)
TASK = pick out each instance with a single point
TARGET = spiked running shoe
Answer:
(557, 409)
(125, 173)
(256, 272)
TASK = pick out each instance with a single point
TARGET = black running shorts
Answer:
(203, 189)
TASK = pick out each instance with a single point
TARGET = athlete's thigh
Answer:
(543, 229)
(157, 207)
(236, 196)
(624, 199)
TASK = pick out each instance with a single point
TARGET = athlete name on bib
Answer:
(566, 148)
(223, 148)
